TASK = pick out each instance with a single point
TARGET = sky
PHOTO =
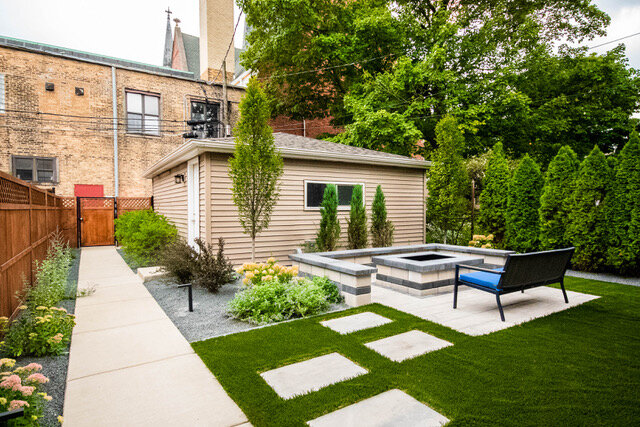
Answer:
(134, 29)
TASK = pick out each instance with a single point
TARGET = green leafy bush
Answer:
(39, 331)
(50, 284)
(144, 234)
(381, 227)
(329, 232)
(330, 289)
(494, 196)
(357, 233)
(212, 268)
(275, 301)
(179, 259)
(22, 387)
(523, 218)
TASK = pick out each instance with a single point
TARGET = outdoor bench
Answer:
(520, 272)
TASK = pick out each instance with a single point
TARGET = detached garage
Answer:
(192, 188)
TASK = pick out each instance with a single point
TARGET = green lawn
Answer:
(577, 367)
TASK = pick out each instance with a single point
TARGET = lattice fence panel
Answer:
(68, 202)
(38, 198)
(13, 192)
(97, 203)
(126, 204)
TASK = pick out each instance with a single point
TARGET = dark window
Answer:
(143, 113)
(209, 113)
(36, 169)
(315, 193)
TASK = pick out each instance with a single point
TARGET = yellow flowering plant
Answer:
(260, 273)
(482, 241)
(38, 331)
(21, 387)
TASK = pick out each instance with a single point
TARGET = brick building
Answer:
(88, 124)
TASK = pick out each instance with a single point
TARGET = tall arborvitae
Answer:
(587, 229)
(357, 223)
(555, 202)
(493, 199)
(622, 204)
(381, 227)
(523, 218)
(329, 232)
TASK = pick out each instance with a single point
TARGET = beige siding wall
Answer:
(291, 224)
(170, 199)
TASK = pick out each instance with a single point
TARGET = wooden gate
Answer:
(96, 221)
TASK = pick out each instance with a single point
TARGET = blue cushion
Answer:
(482, 278)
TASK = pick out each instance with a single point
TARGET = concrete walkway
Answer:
(129, 365)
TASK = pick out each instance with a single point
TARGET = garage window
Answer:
(314, 191)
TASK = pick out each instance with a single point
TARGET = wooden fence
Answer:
(29, 219)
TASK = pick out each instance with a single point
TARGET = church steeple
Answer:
(168, 42)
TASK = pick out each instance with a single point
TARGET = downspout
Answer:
(115, 130)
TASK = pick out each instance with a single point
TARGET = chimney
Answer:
(216, 30)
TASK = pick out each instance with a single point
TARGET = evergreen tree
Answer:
(587, 229)
(523, 219)
(494, 196)
(329, 232)
(622, 205)
(555, 202)
(256, 166)
(447, 208)
(357, 222)
(381, 227)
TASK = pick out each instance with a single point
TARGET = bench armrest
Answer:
(471, 267)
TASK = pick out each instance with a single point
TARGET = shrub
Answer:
(213, 269)
(447, 208)
(144, 234)
(257, 273)
(357, 222)
(587, 229)
(622, 205)
(40, 331)
(50, 284)
(381, 228)
(179, 259)
(21, 387)
(330, 289)
(481, 241)
(523, 218)
(329, 232)
(555, 202)
(494, 196)
(275, 301)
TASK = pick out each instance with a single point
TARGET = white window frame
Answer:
(336, 183)
(193, 200)
(142, 131)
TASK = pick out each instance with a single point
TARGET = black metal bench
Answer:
(520, 272)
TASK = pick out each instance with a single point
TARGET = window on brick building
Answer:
(35, 169)
(2, 91)
(208, 112)
(143, 113)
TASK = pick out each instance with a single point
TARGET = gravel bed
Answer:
(209, 317)
(605, 277)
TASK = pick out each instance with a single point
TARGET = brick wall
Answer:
(83, 145)
(310, 128)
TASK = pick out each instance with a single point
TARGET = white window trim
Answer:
(142, 132)
(193, 199)
(340, 207)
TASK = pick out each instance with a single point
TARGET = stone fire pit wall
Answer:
(353, 270)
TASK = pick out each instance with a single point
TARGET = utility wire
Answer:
(613, 41)
(230, 44)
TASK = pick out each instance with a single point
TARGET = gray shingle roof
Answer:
(192, 52)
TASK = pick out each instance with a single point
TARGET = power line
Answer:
(230, 44)
(613, 41)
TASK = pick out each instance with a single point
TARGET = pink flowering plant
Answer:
(38, 331)
(21, 387)
(260, 273)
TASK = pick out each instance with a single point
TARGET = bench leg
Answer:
(500, 307)
(564, 292)
(455, 293)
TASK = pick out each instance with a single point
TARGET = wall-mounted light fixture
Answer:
(179, 178)
(49, 87)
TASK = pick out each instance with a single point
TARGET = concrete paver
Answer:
(355, 322)
(407, 345)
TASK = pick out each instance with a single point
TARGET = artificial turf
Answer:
(580, 366)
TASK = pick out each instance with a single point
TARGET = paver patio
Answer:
(355, 322)
(129, 364)
(391, 408)
(477, 313)
(407, 345)
(311, 375)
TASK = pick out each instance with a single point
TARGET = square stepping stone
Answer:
(355, 322)
(407, 345)
(311, 375)
(391, 408)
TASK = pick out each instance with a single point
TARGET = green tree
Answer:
(555, 203)
(523, 220)
(588, 228)
(447, 208)
(329, 232)
(494, 196)
(623, 210)
(256, 166)
(357, 223)
(381, 227)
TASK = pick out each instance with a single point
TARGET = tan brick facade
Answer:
(78, 131)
